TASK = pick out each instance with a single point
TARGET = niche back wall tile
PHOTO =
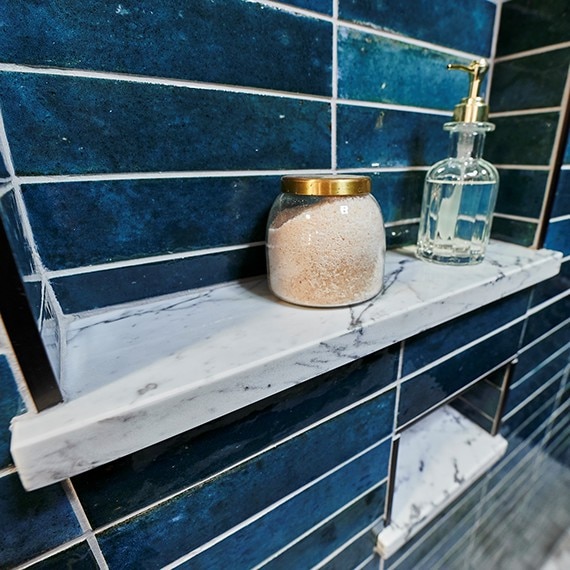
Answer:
(219, 41)
(94, 126)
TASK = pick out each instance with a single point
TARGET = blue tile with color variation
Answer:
(521, 192)
(85, 291)
(558, 236)
(32, 522)
(541, 322)
(435, 343)
(218, 41)
(356, 553)
(399, 194)
(442, 22)
(171, 529)
(553, 286)
(561, 205)
(374, 68)
(77, 557)
(433, 386)
(94, 126)
(530, 82)
(251, 545)
(85, 223)
(11, 405)
(334, 534)
(513, 231)
(131, 483)
(523, 139)
(369, 137)
(324, 6)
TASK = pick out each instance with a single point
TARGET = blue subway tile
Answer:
(426, 347)
(10, 405)
(86, 223)
(324, 6)
(551, 316)
(128, 484)
(78, 557)
(374, 68)
(561, 206)
(553, 286)
(442, 22)
(558, 236)
(527, 25)
(355, 554)
(85, 291)
(438, 383)
(252, 544)
(219, 41)
(85, 125)
(369, 137)
(521, 192)
(32, 522)
(334, 534)
(398, 193)
(524, 139)
(530, 82)
(513, 231)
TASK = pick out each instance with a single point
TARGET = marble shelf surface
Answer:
(439, 457)
(137, 374)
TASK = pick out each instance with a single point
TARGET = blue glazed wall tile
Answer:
(10, 405)
(373, 68)
(561, 205)
(128, 484)
(324, 6)
(541, 322)
(442, 22)
(433, 386)
(558, 236)
(203, 512)
(521, 192)
(85, 223)
(329, 537)
(85, 291)
(552, 287)
(32, 522)
(530, 82)
(528, 24)
(524, 139)
(77, 557)
(220, 41)
(370, 137)
(398, 193)
(260, 539)
(3, 170)
(513, 231)
(355, 554)
(93, 126)
(437, 342)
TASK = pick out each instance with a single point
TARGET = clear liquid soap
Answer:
(460, 191)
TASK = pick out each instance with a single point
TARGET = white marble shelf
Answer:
(138, 374)
(438, 459)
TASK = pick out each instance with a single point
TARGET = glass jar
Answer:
(326, 242)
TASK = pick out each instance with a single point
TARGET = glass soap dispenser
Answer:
(460, 191)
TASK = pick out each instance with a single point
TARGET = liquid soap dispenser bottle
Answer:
(460, 192)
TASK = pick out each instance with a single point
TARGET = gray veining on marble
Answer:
(439, 457)
(136, 375)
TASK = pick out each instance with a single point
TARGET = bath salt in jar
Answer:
(326, 241)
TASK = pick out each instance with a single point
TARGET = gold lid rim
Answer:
(326, 185)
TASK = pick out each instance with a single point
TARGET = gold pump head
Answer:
(472, 109)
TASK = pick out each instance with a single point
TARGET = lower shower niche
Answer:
(436, 460)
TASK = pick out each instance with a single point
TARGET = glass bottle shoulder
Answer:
(461, 169)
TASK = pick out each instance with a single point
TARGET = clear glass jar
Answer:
(326, 242)
(459, 198)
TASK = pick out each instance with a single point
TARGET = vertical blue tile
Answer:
(558, 236)
(10, 405)
(32, 522)
(561, 206)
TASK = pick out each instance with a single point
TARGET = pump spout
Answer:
(472, 108)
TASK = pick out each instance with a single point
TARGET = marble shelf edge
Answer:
(137, 410)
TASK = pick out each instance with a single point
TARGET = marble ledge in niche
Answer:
(149, 371)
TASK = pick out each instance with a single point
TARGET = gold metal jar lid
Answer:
(326, 185)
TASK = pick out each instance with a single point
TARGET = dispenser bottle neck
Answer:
(466, 140)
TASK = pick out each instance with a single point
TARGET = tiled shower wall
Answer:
(146, 145)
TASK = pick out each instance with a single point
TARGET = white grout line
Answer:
(551, 358)
(560, 219)
(77, 507)
(401, 223)
(565, 167)
(522, 112)
(492, 56)
(249, 458)
(7, 471)
(54, 552)
(530, 52)
(515, 218)
(551, 301)
(546, 335)
(393, 107)
(259, 515)
(368, 560)
(381, 169)
(541, 167)
(292, 9)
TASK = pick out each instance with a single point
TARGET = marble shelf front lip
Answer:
(137, 375)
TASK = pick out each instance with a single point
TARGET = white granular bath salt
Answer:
(327, 254)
